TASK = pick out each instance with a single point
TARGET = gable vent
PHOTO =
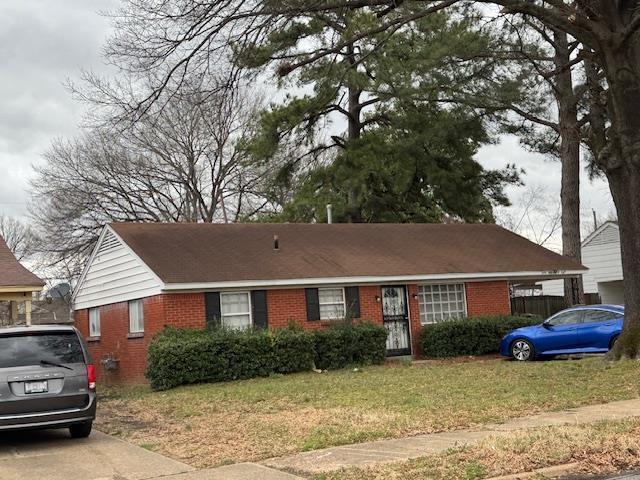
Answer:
(109, 243)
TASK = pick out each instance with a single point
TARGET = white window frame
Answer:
(139, 327)
(344, 303)
(249, 313)
(95, 311)
(424, 320)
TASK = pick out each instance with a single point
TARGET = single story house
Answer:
(17, 286)
(601, 255)
(142, 277)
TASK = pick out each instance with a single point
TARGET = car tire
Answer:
(80, 430)
(522, 350)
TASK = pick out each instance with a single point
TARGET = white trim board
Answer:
(359, 280)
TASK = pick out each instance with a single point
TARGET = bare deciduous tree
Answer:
(180, 163)
(19, 236)
(535, 214)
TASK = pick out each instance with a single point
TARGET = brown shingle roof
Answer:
(12, 273)
(203, 253)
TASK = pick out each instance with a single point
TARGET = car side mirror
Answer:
(547, 324)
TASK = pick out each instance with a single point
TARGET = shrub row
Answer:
(469, 336)
(339, 346)
(185, 356)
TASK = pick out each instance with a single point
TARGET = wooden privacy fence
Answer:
(543, 305)
(546, 305)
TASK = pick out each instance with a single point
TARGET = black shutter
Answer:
(212, 309)
(313, 305)
(352, 296)
(259, 306)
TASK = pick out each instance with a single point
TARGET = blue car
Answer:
(583, 329)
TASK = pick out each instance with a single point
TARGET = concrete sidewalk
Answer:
(384, 451)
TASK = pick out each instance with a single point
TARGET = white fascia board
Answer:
(449, 277)
(87, 265)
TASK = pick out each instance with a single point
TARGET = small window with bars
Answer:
(440, 303)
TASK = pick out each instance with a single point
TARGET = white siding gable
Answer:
(114, 274)
(601, 255)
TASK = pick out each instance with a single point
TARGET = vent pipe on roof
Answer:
(329, 213)
(276, 242)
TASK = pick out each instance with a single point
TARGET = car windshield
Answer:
(32, 349)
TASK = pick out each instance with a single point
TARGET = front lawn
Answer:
(212, 424)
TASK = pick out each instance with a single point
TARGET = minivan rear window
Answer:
(31, 349)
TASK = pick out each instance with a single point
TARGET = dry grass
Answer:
(600, 448)
(213, 424)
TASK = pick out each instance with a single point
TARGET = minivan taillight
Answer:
(91, 377)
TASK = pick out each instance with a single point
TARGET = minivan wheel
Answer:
(522, 350)
(80, 430)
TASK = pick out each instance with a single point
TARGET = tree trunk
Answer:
(621, 163)
(354, 215)
(570, 159)
(625, 185)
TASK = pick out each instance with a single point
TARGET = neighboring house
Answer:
(601, 255)
(142, 277)
(17, 285)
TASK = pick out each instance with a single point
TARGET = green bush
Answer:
(184, 356)
(350, 344)
(469, 336)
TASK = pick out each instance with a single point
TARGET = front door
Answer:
(396, 320)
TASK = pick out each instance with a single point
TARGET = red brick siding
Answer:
(180, 310)
(488, 298)
(290, 305)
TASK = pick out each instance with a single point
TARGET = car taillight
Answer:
(91, 376)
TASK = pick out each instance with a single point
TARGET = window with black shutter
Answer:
(313, 305)
(259, 306)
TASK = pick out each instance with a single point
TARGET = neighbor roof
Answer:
(12, 273)
(213, 253)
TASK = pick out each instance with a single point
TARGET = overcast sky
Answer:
(43, 42)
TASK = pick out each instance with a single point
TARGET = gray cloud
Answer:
(42, 42)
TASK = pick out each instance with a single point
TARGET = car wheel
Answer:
(80, 430)
(522, 350)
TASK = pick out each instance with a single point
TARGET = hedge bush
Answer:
(470, 336)
(184, 356)
(346, 344)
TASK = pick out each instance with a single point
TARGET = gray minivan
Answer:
(47, 379)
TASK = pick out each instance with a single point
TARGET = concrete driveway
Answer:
(53, 455)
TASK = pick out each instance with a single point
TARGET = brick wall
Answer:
(180, 310)
(488, 298)
(289, 305)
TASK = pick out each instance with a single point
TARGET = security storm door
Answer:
(396, 320)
